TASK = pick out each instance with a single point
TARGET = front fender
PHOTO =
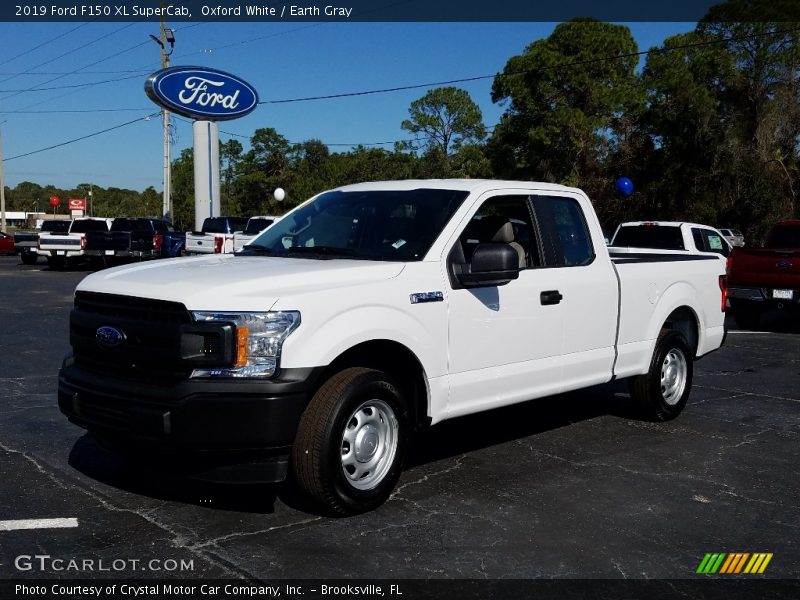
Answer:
(319, 344)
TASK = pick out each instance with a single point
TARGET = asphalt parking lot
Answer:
(574, 486)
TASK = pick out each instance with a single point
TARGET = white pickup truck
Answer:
(676, 236)
(370, 311)
(255, 225)
(63, 248)
(215, 237)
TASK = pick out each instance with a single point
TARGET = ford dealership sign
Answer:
(201, 93)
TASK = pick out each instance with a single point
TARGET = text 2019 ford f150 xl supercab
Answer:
(371, 310)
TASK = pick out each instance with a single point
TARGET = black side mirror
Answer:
(493, 264)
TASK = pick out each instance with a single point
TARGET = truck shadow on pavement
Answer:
(445, 440)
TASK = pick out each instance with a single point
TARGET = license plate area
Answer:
(782, 294)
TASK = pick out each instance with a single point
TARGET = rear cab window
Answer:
(650, 235)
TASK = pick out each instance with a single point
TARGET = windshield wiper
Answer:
(256, 249)
(322, 251)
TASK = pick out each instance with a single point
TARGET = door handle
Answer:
(550, 297)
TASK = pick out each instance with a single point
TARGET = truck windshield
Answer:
(255, 226)
(88, 225)
(784, 236)
(665, 237)
(57, 226)
(130, 224)
(398, 225)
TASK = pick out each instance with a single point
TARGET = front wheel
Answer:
(662, 392)
(350, 444)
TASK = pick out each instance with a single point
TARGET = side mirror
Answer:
(493, 264)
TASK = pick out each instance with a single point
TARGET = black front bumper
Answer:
(210, 429)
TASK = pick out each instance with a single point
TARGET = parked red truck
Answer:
(766, 278)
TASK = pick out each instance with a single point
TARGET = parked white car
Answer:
(733, 236)
(63, 248)
(675, 236)
(373, 310)
(215, 237)
(255, 225)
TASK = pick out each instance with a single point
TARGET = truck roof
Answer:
(467, 185)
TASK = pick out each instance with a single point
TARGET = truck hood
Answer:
(231, 283)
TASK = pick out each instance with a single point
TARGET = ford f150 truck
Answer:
(136, 237)
(372, 310)
(768, 277)
(255, 225)
(26, 243)
(216, 236)
(63, 248)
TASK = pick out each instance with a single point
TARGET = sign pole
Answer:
(2, 190)
(206, 171)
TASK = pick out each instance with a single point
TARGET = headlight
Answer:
(259, 339)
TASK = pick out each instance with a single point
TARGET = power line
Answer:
(85, 137)
(44, 43)
(531, 70)
(68, 52)
(67, 87)
(344, 144)
(67, 111)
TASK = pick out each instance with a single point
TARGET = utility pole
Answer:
(167, 36)
(2, 190)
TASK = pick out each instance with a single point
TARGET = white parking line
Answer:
(38, 524)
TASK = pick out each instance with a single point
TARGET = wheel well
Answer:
(394, 359)
(684, 321)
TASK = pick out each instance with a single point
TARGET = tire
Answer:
(662, 392)
(350, 444)
(747, 315)
(29, 258)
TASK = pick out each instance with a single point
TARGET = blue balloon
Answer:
(624, 186)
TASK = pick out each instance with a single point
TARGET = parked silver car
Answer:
(733, 236)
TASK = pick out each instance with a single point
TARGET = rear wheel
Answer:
(662, 392)
(349, 448)
(29, 258)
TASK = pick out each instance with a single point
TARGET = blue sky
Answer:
(281, 60)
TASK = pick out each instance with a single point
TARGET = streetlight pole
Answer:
(167, 36)
(2, 190)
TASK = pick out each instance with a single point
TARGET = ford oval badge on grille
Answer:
(784, 264)
(109, 337)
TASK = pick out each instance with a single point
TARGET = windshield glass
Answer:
(375, 225)
(650, 236)
(123, 224)
(58, 226)
(784, 236)
(89, 225)
(255, 226)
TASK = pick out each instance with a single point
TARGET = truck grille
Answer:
(127, 307)
(152, 337)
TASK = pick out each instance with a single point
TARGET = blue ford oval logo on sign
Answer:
(201, 93)
(109, 337)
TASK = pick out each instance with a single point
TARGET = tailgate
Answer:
(59, 242)
(765, 268)
(200, 243)
(107, 240)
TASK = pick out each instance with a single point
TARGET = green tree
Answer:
(447, 118)
(564, 106)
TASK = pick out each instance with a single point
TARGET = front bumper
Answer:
(219, 430)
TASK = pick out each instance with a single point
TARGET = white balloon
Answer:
(279, 194)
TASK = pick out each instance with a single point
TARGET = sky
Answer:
(281, 60)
